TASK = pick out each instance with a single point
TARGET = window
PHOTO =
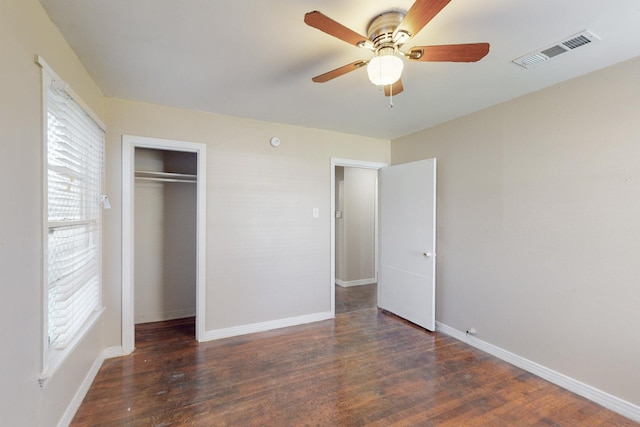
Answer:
(72, 245)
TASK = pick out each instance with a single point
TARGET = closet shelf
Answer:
(165, 176)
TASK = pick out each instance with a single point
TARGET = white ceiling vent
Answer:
(536, 58)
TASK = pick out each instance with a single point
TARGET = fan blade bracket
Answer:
(367, 44)
(415, 54)
(400, 37)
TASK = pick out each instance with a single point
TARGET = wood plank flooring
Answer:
(365, 367)
(354, 298)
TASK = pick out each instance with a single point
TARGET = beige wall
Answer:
(340, 253)
(25, 30)
(267, 258)
(538, 225)
(360, 187)
(180, 262)
(355, 194)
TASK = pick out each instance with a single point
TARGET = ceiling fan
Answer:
(387, 33)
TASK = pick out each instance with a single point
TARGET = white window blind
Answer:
(75, 146)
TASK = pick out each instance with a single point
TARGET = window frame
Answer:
(53, 358)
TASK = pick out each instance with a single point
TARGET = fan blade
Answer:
(470, 52)
(339, 71)
(419, 15)
(323, 23)
(393, 89)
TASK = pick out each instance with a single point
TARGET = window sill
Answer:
(55, 358)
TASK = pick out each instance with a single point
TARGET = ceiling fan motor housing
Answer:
(381, 30)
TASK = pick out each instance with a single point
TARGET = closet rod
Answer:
(145, 178)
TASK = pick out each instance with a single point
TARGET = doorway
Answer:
(353, 271)
(164, 235)
(159, 163)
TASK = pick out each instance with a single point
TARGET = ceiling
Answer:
(255, 59)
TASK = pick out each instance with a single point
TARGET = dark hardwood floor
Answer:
(356, 298)
(365, 367)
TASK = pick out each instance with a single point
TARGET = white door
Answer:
(407, 276)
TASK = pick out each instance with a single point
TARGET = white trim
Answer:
(128, 156)
(113, 351)
(80, 394)
(44, 224)
(349, 283)
(362, 164)
(54, 362)
(265, 326)
(41, 62)
(129, 143)
(622, 407)
(435, 236)
(164, 315)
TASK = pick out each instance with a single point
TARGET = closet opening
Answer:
(163, 235)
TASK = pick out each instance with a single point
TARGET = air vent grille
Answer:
(536, 58)
(554, 51)
(577, 42)
(533, 59)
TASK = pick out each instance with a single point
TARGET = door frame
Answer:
(129, 144)
(349, 163)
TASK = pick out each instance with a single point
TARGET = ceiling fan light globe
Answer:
(385, 70)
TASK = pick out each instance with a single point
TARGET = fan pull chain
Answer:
(390, 96)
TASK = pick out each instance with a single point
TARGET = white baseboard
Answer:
(264, 326)
(348, 283)
(165, 315)
(622, 407)
(114, 351)
(71, 410)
